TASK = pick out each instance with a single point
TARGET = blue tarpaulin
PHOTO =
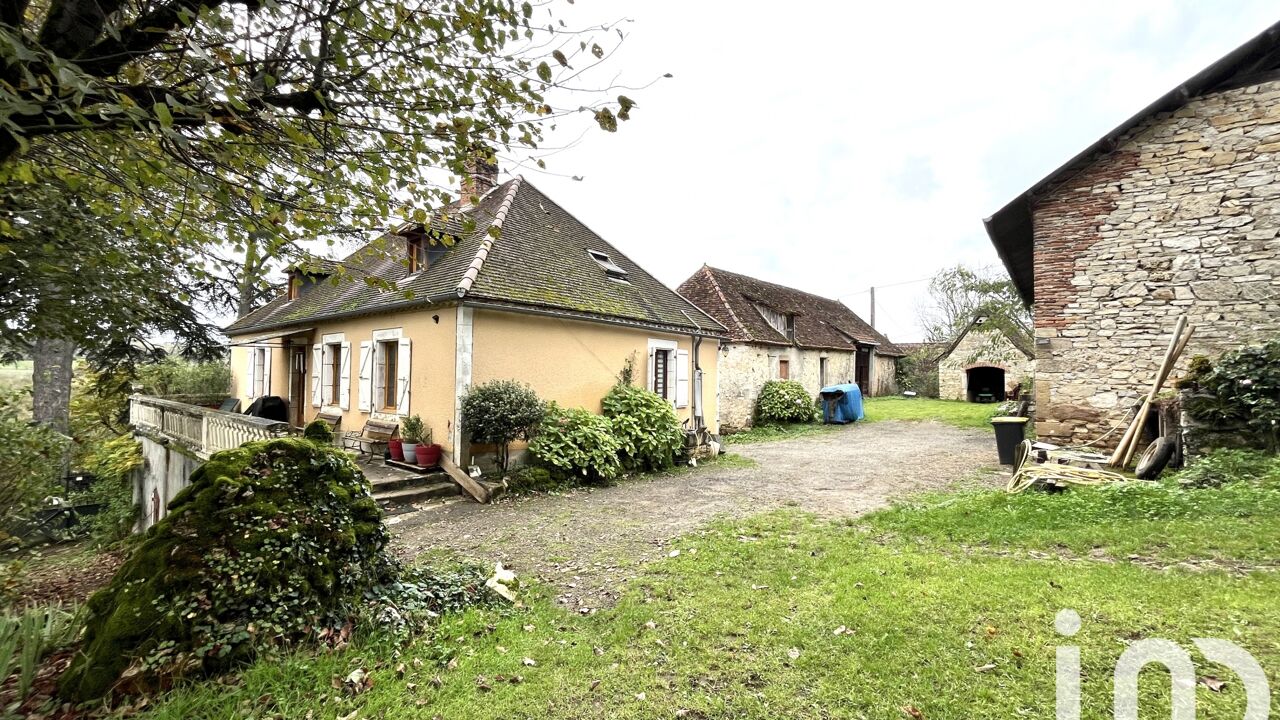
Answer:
(841, 403)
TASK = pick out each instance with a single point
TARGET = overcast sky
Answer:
(836, 146)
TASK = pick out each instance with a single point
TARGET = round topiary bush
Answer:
(785, 401)
(499, 412)
(646, 426)
(271, 542)
(318, 431)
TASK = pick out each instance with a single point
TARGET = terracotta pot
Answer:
(409, 450)
(396, 447)
(428, 455)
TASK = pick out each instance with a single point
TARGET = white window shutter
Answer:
(344, 378)
(266, 371)
(651, 380)
(316, 398)
(251, 374)
(682, 378)
(366, 377)
(402, 377)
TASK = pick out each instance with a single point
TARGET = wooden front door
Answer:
(862, 370)
(298, 385)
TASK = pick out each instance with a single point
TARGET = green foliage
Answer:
(499, 412)
(646, 427)
(574, 443)
(627, 376)
(113, 464)
(918, 372)
(1226, 466)
(959, 294)
(1240, 391)
(30, 456)
(270, 543)
(412, 430)
(785, 401)
(319, 431)
(183, 378)
(532, 479)
(401, 605)
(28, 635)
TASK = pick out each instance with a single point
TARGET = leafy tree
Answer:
(500, 412)
(957, 295)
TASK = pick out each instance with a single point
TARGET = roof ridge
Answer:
(712, 277)
(774, 284)
(473, 270)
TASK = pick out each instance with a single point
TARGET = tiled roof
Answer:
(819, 322)
(538, 259)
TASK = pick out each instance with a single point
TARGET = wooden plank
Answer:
(1129, 442)
(470, 485)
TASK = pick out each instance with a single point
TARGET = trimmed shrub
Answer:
(531, 479)
(318, 430)
(500, 412)
(578, 444)
(271, 542)
(646, 427)
(785, 401)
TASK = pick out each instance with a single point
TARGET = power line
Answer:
(881, 287)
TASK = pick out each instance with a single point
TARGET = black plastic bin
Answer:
(1009, 432)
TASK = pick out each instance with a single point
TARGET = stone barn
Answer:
(1174, 212)
(985, 363)
(780, 333)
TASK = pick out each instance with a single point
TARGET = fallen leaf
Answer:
(594, 684)
(417, 662)
(400, 670)
(651, 625)
(674, 553)
(530, 628)
(640, 696)
(482, 684)
(501, 649)
(759, 587)
(352, 716)
(529, 662)
(452, 664)
(793, 653)
(913, 711)
(436, 682)
(985, 668)
(842, 630)
(1213, 683)
(411, 686)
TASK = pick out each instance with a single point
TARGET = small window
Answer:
(661, 371)
(822, 372)
(388, 354)
(784, 369)
(611, 269)
(425, 252)
(295, 285)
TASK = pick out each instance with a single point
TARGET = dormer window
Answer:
(424, 252)
(611, 269)
(784, 323)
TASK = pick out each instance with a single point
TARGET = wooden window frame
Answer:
(784, 368)
(823, 370)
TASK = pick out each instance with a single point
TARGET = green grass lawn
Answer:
(767, 433)
(944, 607)
(951, 412)
(14, 376)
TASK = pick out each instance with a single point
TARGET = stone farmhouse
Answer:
(1173, 212)
(780, 333)
(985, 363)
(524, 292)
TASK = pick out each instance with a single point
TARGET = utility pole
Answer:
(873, 307)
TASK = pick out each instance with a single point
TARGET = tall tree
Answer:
(958, 294)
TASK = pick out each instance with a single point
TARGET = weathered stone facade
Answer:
(982, 348)
(745, 368)
(1181, 218)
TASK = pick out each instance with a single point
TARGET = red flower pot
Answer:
(429, 455)
(396, 446)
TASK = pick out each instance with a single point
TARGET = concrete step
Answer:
(416, 492)
(400, 480)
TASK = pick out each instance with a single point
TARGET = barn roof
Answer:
(1010, 228)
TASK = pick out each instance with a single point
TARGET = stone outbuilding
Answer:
(1174, 212)
(777, 332)
(985, 363)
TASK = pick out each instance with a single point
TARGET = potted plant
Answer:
(411, 435)
(429, 455)
(395, 446)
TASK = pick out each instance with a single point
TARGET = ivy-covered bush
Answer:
(1241, 391)
(112, 464)
(646, 427)
(785, 401)
(319, 430)
(531, 479)
(500, 412)
(30, 457)
(270, 543)
(574, 443)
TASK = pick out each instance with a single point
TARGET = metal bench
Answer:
(373, 439)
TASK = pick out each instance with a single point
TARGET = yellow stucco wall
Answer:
(431, 371)
(574, 362)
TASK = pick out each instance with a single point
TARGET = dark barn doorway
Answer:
(985, 383)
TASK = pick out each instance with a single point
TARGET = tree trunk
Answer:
(250, 277)
(51, 382)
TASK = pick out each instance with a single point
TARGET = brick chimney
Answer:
(481, 174)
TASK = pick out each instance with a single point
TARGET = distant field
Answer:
(15, 375)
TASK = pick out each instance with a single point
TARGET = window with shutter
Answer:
(682, 378)
(660, 368)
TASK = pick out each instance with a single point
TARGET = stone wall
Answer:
(982, 347)
(1181, 218)
(744, 369)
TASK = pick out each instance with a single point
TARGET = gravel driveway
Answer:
(587, 542)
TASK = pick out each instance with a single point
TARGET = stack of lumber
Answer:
(1129, 443)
